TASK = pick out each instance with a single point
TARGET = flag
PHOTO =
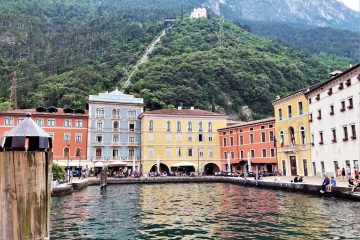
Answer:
(282, 142)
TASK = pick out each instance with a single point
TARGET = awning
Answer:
(183, 164)
(65, 164)
(118, 164)
(99, 164)
(264, 161)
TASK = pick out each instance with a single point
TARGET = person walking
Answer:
(343, 173)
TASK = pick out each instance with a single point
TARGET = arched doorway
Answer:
(211, 169)
(269, 167)
(163, 168)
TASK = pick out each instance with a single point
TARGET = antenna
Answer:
(13, 101)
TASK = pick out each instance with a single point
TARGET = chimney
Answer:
(192, 108)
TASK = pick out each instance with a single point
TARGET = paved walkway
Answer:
(310, 180)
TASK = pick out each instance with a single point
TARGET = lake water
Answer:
(200, 211)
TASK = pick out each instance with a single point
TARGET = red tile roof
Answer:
(256, 122)
(60, 112)
(183, 112)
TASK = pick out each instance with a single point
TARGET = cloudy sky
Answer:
(353, 4)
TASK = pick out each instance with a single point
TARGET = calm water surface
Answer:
(200, 211)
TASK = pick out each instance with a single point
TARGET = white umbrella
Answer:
(118, 164)
(99, 164)
(184, 164)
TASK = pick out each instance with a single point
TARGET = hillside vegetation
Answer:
(192, 67)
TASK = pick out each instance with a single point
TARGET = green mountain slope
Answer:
(192, 68)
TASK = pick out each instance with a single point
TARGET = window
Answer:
(210, 152)
(309, 100)
(39, 121)
(168, 137)
(224, 142)
(224, 133)
(312, 140)
(231, 141)
(302, 135)
(131, 139)
(271, 136)
(150, 151)
(332, 110)
(289, 112)
(251, 138)
(78, 137)
(132, 114)
(178, 137)
(151, 125)
(210, 137)
(241, 140)
(232, 155)
(201, 152)
(131, 127)
(20, 120)
(98, 152)
(98, 138)
(51, 122)
(342, 109)
(189, 137)
(251, 129)
(131, 153)
(67, 123)
(190, 152)
(151, 137)
(67, 137)
(319, 115)
(168, 126)
(242, 154)
(77, 152)
(350, 103)
(301, 110)
(262, 127)
(225, 155)
(66, 152)
(200, 138)
(310, 117)
(321, 138)
(353, 132)
(79, 123)
(178, 126)
(115, 152)
(100, 113)
(209, 126)
(115, 138)
(333, 135)
(119, 113)
(264, 152)
(99, 125)
(272, 152)
(189, 126)
(346, 137)
(282, 139)
(330, 91)
(348, 82)
(271, 126)
(114, 113)
(341, 86)
(252, 153)
(318, 97)
(263, 137)
(200, 126)
(168, 152)
(178, 152)
(116, 125)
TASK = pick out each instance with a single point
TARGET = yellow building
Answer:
(292, 129)
(184, 140)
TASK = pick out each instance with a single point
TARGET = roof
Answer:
(34, 112)
(115, 96)
(182, 112)
(272, 119)
(319, 85)
(289, 95)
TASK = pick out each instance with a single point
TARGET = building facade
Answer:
(114, 128)
(293, 134)
(334, 113)
(67, 127)
(183, 140)
(255, 139)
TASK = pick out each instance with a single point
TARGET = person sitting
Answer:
(356, 183)
(351, 182)
(296, 179)
(332, 184)
(324, 184)
(301, 179)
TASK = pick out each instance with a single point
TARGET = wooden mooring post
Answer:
(25, 182)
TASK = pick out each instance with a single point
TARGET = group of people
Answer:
(171, 174)
(328, 184)
(80, 173)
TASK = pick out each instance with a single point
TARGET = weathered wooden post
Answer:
(25, 177)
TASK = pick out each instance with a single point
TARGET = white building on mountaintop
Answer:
(198, 13)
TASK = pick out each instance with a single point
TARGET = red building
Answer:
(255, 138)
(67, 127)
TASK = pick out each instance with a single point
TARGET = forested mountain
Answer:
(221, 66)
(64, 50)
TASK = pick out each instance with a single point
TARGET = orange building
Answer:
(255, 138)
(67, 127)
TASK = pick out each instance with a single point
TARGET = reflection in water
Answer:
(203, 211)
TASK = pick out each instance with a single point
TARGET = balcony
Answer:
(350, 107)
(353, 137)
(345, 139)
(289, 148)
(97, 143)
(334, 141)
(332, 113)
(342, 109)
(321, 142)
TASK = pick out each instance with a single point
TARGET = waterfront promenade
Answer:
(312, 185)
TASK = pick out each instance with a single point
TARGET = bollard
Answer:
(25, 182)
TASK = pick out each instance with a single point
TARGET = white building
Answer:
(198, 13)
(334, 112)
